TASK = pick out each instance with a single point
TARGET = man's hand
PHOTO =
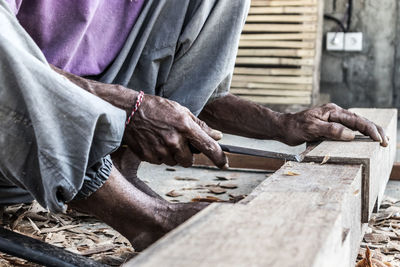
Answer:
(161, 131)
(246, 118)
(328, 121)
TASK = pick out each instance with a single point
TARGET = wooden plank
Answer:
(282, 18)
(274, 71)
(283, 10)
(279, 36)
(318, 54)
(275, 61)
(272, 79)
(278, 99)
(269, 92)
(376, 160)
(283, 3)
(305, 220)
(237, 84)
(282, 44)
(279, 28)
(277, 52)
(280, 33)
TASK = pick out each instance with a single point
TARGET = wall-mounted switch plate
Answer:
(335, 41)
(353, 41)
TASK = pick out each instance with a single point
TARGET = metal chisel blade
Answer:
(261, 153)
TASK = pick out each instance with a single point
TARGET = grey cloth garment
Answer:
(95, 177)
(51, 131)
(178, 49)
(183, 50)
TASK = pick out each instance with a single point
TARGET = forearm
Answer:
(117, 95)
(234, 115)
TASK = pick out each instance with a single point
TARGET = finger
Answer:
(357, 123)
(207, 145)
(384, 137)
(336, 131)
(184, 156)
(214, 134)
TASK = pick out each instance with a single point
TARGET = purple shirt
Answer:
(80, 36)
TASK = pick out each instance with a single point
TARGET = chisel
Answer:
(255, 152)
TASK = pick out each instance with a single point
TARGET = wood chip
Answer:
(325, 159)
(217, 190)
(173, 193)
(98, 249)
(236, 198)
(185, 178)
(290, 173)
(57, 229)
(222, 178)
(225, 178)
(34, 226)
(206, 199)
(54, 238)
(376, 238)
(229, 186)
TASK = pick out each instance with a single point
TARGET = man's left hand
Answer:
(328, 121)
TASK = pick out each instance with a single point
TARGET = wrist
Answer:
(135, 107)
(281, 125)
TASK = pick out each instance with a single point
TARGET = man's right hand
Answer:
(161, 131)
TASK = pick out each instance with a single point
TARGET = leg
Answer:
(139, 217)
(127, 164)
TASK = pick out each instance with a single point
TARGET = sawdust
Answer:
(76, 232)
(382, 237)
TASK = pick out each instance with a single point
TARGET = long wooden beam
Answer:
(310, 219)
(305, 214)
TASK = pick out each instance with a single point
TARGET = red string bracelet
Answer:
(139, 101)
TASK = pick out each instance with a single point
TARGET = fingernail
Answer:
(218, 134)
(348, 134)
(226, 166)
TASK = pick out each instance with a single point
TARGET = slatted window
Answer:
(279, 52)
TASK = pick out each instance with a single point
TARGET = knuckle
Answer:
(172, 140)
(186, 124)
(331, 106)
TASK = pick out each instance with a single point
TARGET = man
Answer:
(60, 122)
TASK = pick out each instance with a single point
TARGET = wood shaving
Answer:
(229, 186)
(207, 199)
(325, 159)
(382, 239)
(185, 178)
(76, 232)
(217, 190)
(236, 198)
(291, 173)
(173, 193)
